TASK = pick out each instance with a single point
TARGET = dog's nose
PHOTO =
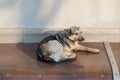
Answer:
(82, 39)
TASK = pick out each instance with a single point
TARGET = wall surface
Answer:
(28, 20)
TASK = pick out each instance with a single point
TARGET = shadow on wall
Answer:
(37, 35)
(38, 13)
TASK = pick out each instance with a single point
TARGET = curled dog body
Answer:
(59, 47)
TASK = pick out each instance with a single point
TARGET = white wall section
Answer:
(93, 16)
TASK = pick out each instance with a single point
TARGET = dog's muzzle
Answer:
(81, 39)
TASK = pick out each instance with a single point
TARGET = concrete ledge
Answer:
(11, 35)
(33, 35)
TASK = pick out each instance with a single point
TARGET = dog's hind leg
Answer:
(69, 55)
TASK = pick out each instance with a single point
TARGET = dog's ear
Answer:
(68, 31)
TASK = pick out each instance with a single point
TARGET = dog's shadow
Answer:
(30, 48)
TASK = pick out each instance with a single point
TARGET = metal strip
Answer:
(114, 67)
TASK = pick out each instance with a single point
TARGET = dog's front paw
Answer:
(96, 51)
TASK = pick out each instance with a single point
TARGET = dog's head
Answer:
(74, 33)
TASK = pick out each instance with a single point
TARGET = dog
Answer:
(59, 47)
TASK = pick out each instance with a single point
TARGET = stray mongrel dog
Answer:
(59, 47)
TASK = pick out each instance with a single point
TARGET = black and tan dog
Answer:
(59, 47)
